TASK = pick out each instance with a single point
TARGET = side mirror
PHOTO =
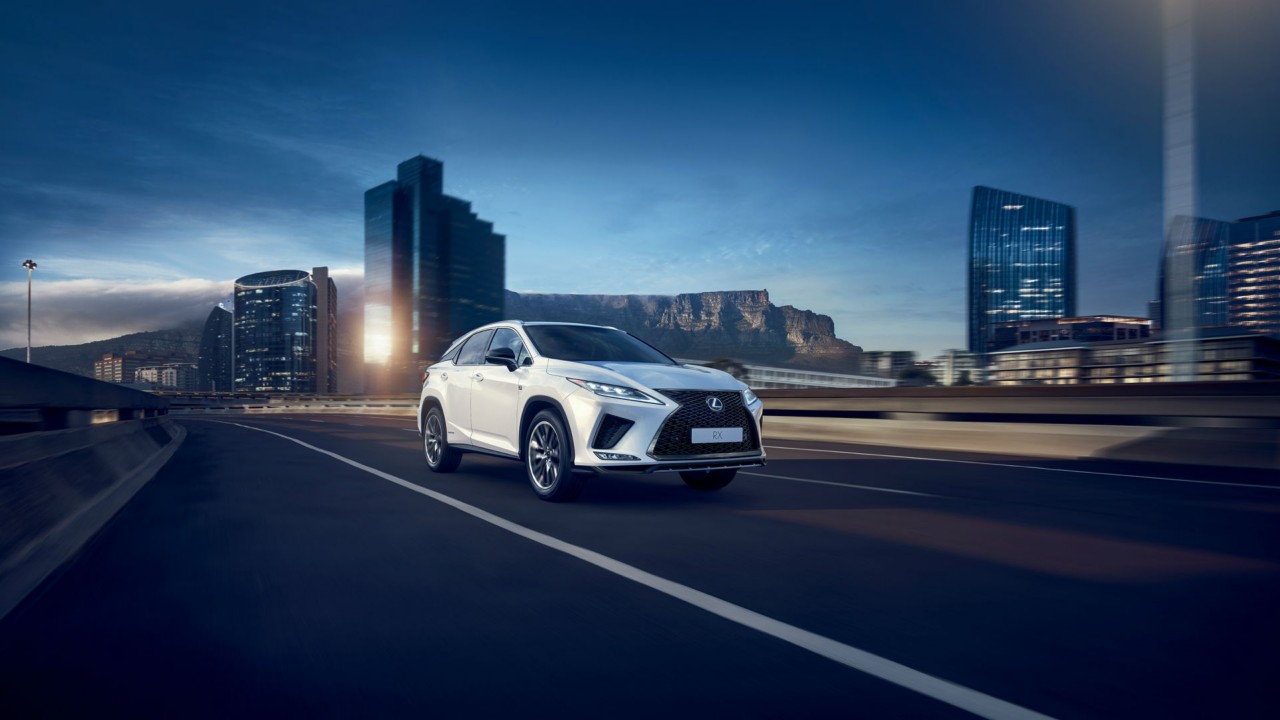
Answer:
(502, 356)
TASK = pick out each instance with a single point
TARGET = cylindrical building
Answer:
(275, 332)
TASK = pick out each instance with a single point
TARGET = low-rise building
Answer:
(959, 367)
(1087, 328)
(1223, 355)
(119, 368)
(170, 376)
(887, 364)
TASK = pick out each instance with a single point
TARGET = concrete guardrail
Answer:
(1216, 424)
(73, 451)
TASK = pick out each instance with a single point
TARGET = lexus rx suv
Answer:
(568, 399)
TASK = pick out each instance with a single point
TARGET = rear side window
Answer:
(452, 353)
(472, 352)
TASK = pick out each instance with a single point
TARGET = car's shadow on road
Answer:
(505, 478)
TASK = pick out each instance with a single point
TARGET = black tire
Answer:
(435, 443)
(707, 479)
(548, 459)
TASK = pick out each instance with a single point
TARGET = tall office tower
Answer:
(432, 271)
(326, 331)
(1253, 273)
(213, 372)
(1022, 262)
(1193, 275)
(275, 331)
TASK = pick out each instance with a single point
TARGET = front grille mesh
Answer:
(675, 439)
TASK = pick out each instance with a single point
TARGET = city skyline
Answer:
(168, 152)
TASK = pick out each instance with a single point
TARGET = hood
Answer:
(648, 375)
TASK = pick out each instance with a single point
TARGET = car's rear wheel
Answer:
(707, 479)
(435, 443)
(548, 459)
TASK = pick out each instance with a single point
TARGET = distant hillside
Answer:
(182, 343)
(743, 325)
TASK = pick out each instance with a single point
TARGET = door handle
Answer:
(478, 376)
(444, 376)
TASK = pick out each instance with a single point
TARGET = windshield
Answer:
(583, 343)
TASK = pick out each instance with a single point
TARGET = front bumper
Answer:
(586, 412)
(678, 466)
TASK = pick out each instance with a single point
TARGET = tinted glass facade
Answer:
(433, 271)
(275, 332)
(326, 331)
(213, 371)
(1253, 274)
(1022, 262)
(1193, 274)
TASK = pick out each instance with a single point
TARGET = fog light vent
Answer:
(612, 428)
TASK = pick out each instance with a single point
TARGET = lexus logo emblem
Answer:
(715, 403)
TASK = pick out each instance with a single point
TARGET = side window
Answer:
(508, 338)
(452, 352)
(472, 352)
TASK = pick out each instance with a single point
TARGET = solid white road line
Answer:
(1022, 467)
(955, 695)
(839, 484)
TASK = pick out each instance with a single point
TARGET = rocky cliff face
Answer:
(743, 325)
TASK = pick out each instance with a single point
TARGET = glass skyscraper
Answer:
(213, 369)
(1193, 275)
(432, 271)
(1253, 274)
(326, 331)
(1022, 262)
(275, 332)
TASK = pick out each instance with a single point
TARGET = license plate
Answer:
(717, 435)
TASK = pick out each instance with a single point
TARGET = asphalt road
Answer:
(255, 576)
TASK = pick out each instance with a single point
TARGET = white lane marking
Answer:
(950, 693)
(1024, 467)
(839, 484)
(319, 421)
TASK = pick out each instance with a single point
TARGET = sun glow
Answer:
(377, 334)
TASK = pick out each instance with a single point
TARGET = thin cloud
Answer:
(67, 312)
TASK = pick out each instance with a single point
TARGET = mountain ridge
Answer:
(742, 325)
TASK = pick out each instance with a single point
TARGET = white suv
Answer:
(564, 398)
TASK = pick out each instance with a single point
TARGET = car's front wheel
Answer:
(435, 443)
(707, 479)
(548, 458)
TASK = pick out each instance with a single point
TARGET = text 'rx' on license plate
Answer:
(717, 435)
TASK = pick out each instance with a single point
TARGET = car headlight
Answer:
(749, 397)
(614, 391)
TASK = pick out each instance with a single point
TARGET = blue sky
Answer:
(825, 151)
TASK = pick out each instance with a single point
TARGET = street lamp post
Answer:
(30, 265)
